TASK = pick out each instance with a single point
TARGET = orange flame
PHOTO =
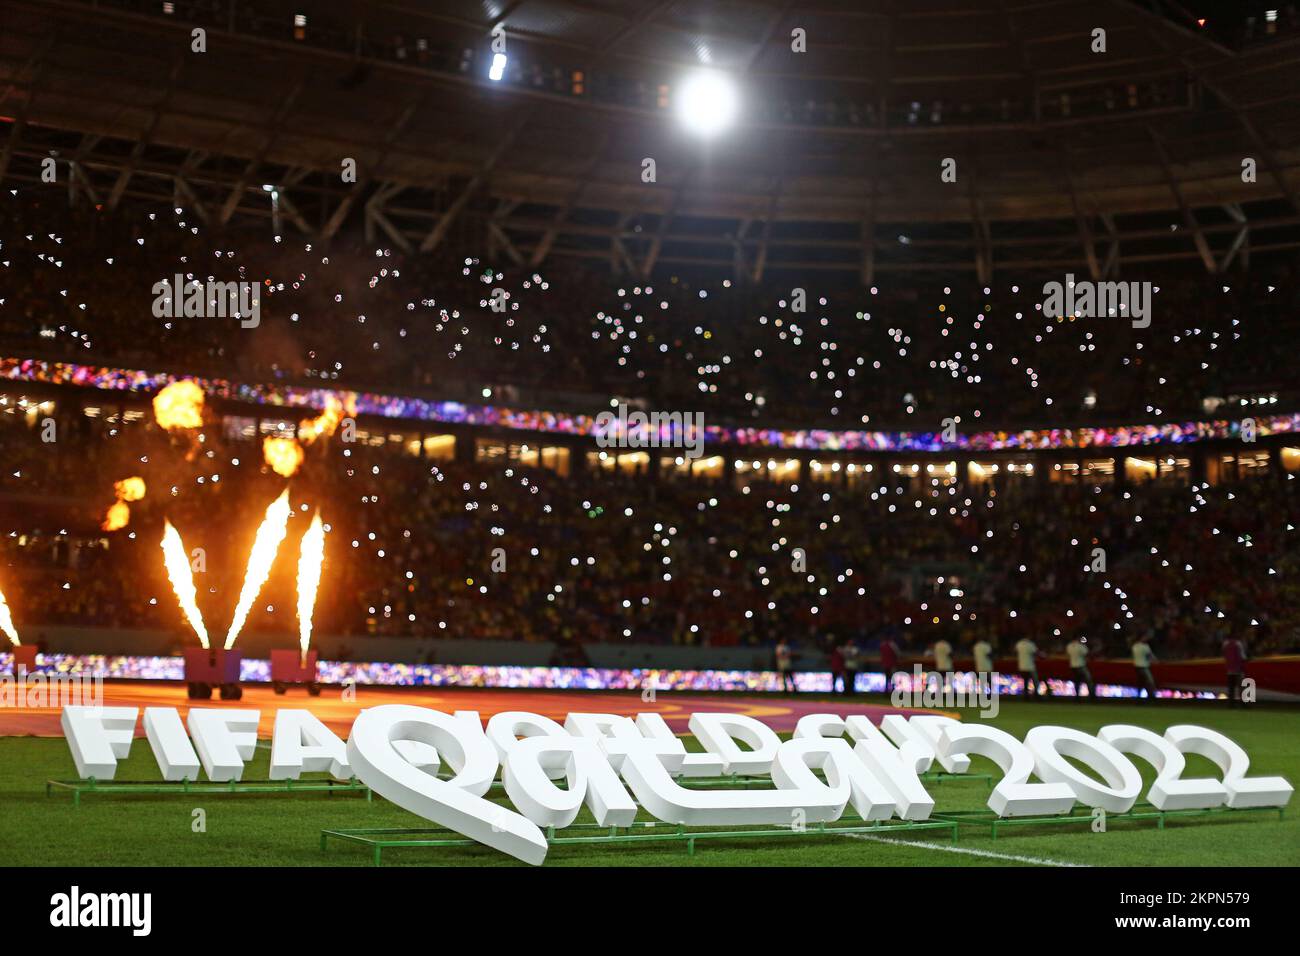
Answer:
(118, 517)
(178, 571)
(284, 455)
(323, 425)
(265, 546)
(129, 489)
(7, 622)
(310, 560)
(179, 405)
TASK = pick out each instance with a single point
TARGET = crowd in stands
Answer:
(494, 549)
(81, 288)
(413, 547)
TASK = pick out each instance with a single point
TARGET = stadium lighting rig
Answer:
(707, 102)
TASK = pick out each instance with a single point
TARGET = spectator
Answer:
(1077, 652)
(1234, 660)
(785, 666)
(942, 652)
(1027, 660)
(888, 660)
(850, 655)
(1142, 658)
(837, 670)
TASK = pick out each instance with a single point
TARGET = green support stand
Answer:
(1083, 816)
(180, 787)
(379, 839)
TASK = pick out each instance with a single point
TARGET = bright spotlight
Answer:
(707, 102)
(498, 68)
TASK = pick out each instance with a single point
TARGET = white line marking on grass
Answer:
(1033, 860)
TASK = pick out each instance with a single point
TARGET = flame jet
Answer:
(178, 570)
(265, 545)
(310, 560)
(7, 622)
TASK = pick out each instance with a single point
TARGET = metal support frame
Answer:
(1240, 242)
(340, 213)
(497, 238)
(760, 258)
(375, 216)
(184, 787)
(1110, 267)
(1081, 220)
(128, 170)
(379, 839)
(1189, 218)
(1017, 44)
(543, 247)
(665, 220)
(867, 267)
(1084, 816)
(980, 227)
(35, 63)
(443, 225)
(268, 143)
(203, 182)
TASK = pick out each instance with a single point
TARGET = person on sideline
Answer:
(985, 669)
(1027, 663)
(888, 661)
(784, 666)
(837, 668)
(1077, 652)
(942, 652)
(1142, 658)
(852, 657)
(1234, 660)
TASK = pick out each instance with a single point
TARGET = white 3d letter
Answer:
(171, 746)
(1243, 791)
(98, 737)
(644, 769)
(849, 778)
(505, 729)
(225, 740)
(719, 733)
(1051, 745)
(301, 742)
(896, 767)
(1014, 796)
(458, 803)
(1169, 792)
(693, 764)
(589, 775)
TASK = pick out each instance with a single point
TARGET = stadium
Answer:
(415, 413)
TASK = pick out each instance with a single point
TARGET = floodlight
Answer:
(707, 102)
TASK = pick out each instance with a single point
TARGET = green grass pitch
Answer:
(283, 829)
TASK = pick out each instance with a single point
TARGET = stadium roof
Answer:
(1065, 157)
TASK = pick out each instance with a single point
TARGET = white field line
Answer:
(1031, 860)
